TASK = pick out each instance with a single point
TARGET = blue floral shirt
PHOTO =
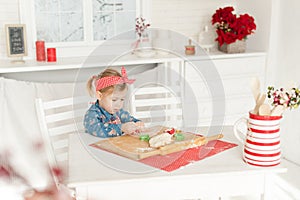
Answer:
(100, 123)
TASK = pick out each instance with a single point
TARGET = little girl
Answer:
(106, 118)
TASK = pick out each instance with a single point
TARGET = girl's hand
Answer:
(130, 128)
(140, 124)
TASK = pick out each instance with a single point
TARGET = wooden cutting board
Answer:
(132, 147)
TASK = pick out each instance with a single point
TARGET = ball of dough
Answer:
(160, 140)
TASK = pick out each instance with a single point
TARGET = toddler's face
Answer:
(113, 102)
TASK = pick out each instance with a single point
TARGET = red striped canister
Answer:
(261, 140)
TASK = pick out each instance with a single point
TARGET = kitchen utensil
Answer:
(277, 110)
(197, 141)
(255, 87)
(264, 110)
(259, 102)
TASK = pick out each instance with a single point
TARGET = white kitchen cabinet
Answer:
(203, 96)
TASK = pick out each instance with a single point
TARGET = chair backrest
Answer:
(157, 105)
(59, 118)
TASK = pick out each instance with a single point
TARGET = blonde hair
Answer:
(108, 90)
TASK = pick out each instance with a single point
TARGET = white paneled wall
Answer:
(9, 14)
(185, 16)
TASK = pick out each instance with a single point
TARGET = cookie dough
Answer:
(160, 140)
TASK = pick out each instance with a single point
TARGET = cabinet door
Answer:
(220, 89)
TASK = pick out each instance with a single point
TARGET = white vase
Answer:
(144, 47)
(145, 42)
(206, 39)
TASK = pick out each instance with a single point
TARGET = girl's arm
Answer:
(126, 117)
(94, 125)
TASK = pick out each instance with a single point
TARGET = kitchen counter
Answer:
(7, 66)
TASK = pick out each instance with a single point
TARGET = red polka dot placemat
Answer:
(179, 159)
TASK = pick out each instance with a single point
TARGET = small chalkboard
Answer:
(16, 40)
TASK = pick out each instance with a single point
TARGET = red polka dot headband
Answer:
(113, 80)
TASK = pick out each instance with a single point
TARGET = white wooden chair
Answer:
(157, 105)
(57, 119)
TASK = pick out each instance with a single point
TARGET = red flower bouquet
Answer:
(230, 27)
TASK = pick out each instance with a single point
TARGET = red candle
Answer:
(51, 54)
(40, 51)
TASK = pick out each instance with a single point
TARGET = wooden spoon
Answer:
(264, 110)
(277, 110)
(260, 101)
(255, 87)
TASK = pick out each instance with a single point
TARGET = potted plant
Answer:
(232, 30)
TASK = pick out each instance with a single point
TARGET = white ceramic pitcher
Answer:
(261, 140)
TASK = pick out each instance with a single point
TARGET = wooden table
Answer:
(96, 174)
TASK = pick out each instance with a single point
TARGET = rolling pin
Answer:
(179, 146)
(198, 141)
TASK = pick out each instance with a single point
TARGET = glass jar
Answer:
(206, 38)
(145, 41)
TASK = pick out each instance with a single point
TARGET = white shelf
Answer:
(6, 66)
